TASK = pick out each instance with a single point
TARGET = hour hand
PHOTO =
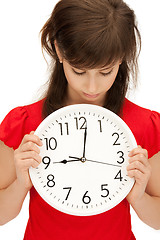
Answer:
(64, 161)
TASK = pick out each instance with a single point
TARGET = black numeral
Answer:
(69, 190)
(46, 160)
(105, 190)
(50, 182)
(121, 156)
(86, 199)
(51, 143)
(117, 138)
(62, 128)
(81, 123)
(119, 176)
(100, 125)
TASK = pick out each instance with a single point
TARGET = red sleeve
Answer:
(13, 127)
(151, 137)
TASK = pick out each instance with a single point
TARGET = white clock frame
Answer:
(83, 187)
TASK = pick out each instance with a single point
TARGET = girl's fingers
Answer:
(138, 150)
(138, 175)
(139, 158)
(28, 155)
(27, 163)
(137, 165)
(30, 146)
(139, 155)
(31, 138)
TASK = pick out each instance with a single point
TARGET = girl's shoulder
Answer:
(131, 109)
(20, 121)
(135, 114)
(145, 125)
(34, 108)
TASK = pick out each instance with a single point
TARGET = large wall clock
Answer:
(84, 159)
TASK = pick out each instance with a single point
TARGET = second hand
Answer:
(81, 159)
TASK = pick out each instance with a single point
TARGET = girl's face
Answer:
(89, 86)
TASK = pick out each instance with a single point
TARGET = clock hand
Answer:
(66, 161)
(85, 136)
(82, 160)
(104, 163)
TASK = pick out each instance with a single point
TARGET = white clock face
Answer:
(84, 159)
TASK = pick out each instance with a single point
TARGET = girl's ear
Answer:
(58, 52)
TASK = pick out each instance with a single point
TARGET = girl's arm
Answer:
(145, 195)
(11, 200)
(7, 177)
(14, 177)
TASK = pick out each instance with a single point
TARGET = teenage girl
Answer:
(94, 46)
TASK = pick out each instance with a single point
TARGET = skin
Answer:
(90, 86)
(84, 85)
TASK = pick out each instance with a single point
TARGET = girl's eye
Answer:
(106, 74)
(82, 73)
(78, 73)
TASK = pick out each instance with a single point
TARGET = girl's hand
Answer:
(25, 156)
(140, 169)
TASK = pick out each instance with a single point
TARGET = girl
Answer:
(94, 48)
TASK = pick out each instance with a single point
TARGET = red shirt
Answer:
(47, 223)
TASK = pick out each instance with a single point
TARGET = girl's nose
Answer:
(92, 86)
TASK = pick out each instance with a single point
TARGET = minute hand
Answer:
(96, 161)
(84, 147)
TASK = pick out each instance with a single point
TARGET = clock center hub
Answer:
(83, 159)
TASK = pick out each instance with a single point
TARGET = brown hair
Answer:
(91, 34)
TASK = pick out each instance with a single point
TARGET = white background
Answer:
(23, 72)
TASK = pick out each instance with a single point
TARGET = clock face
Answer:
(84, 159)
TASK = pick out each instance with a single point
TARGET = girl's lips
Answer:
(91, 95)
